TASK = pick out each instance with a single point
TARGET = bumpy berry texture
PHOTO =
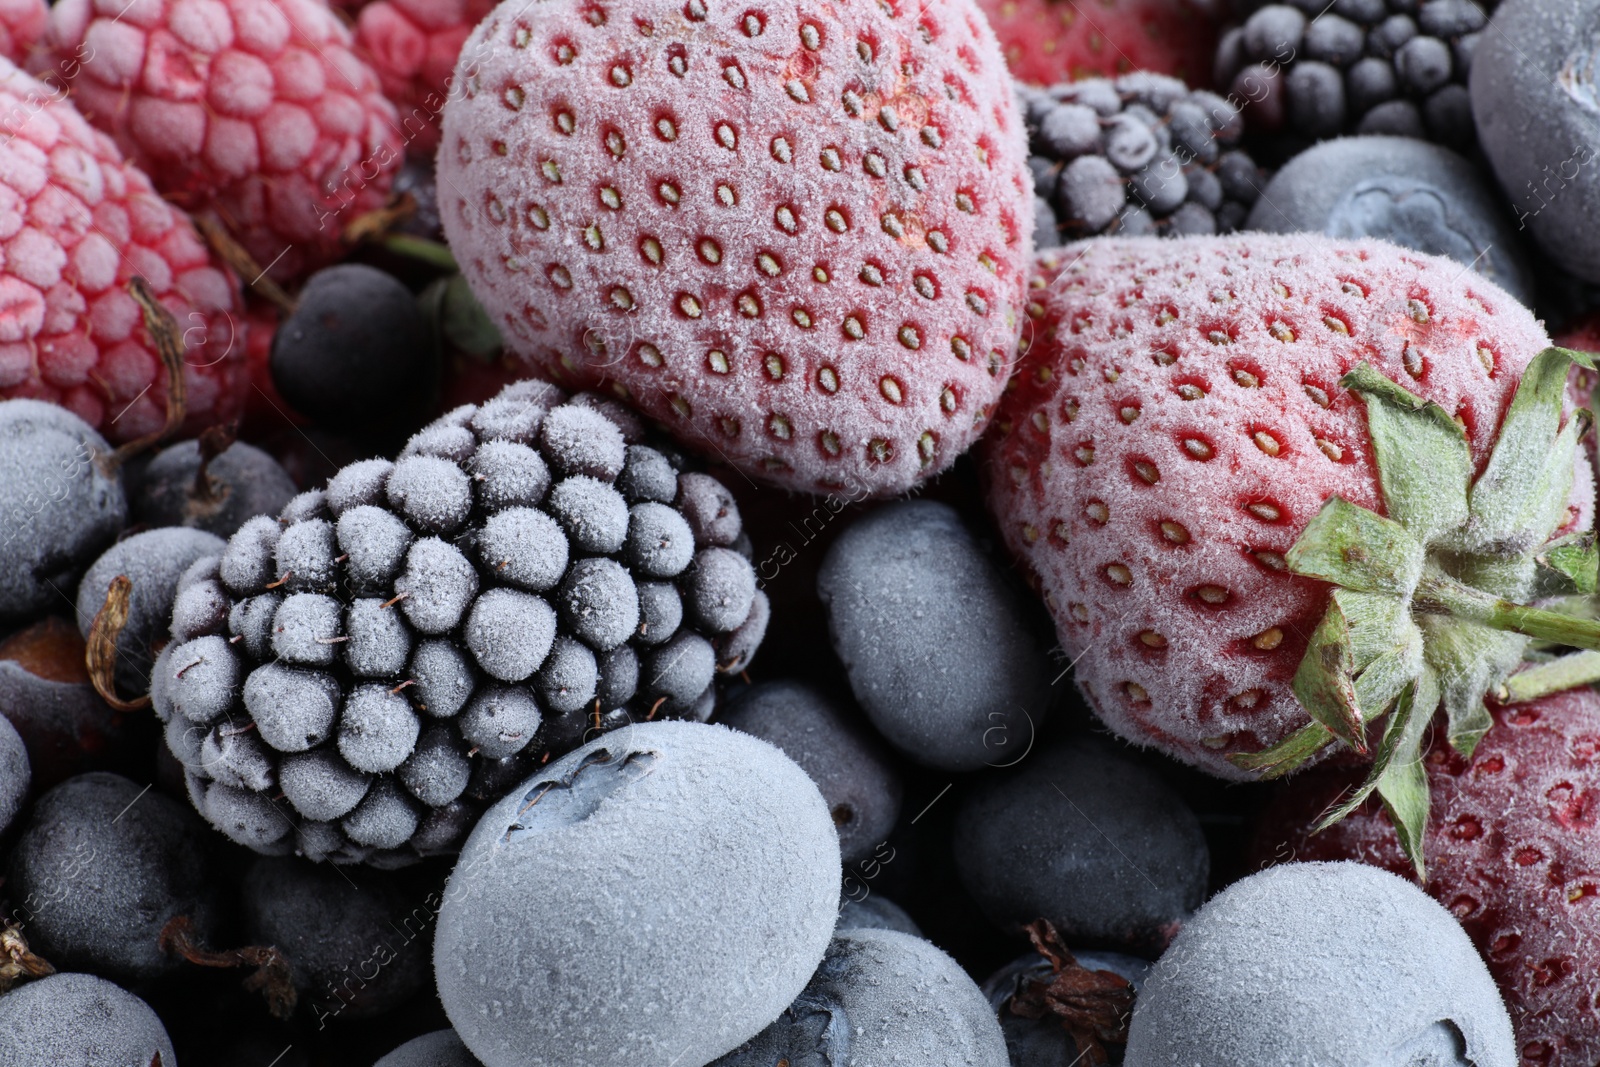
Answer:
(352, 680)
(414, 45)
(22, 23)
(1139, 155)
(797, 239)
(1333, 964)
(615, 868)
(1049, 41)
(1315, 70)
(895, 995)
(78, 1018)
(1513, 852)
(258, 110)
(1178, 421)
(77, 223)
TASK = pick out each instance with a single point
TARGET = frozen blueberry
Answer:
(581, 440)
(679, 671)
(849, 766)
(1080, 836)
(78, 1018)
(431, 492)
(437, 585)
(710, 509)
(353, 945)
(1091, 192)
(660, 612)
(320, 785)
(442, 1048)
(1412, 193)
(61, 503)
(188, 484)
(643, 976)
(881, 997)
(1043, 1041)
(374, 542)
(102, 865)
(442, 678)
(874, 912)
(500, 721)
(509, 633)
(933, 637)
(660, 543)
(525, 547)
(378, 643)
(357, 353)
(507, 474)
(569, 676)
(377, 729)
(593, 514)
(16, 774)
(153, 561)
(599, 603)
(1336, 964)
(294, 709)
(249, 562)
(647, 475)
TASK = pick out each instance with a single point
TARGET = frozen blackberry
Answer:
(366, 672)
(1140, 154)
(1319, 70)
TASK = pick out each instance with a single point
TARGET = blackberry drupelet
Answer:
(355, 679)
(1319, 70)
(1136, 155)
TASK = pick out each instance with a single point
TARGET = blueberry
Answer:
(1080, 836)
(442, 1048)
(933, 637)
(874, 912)
(678, 951)
(16, 773)
(61, 503)
(153, 561)
(357, 353)
(893, 994)
(78, 1018)
(1090, 193)
(349, 935)
(235, 484)
(1289, 966)
(102, 865)
(848, 764)
(1403, 190)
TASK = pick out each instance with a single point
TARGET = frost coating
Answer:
(663, 949)
(442, 1048)
(78, 1018)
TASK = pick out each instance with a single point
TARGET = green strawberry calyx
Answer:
(1429, 605)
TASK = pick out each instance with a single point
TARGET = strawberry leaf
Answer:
(1576, 559)
(1424, 462)
(1401, 738)
(1404, 790)
(1469, 662)
(1357, 549)
(1287, 755)
(1324, 682)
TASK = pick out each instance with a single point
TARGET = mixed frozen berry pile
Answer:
(983, 533)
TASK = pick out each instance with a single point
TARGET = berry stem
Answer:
(1567, 672)
(1440, 594)
(421, 249)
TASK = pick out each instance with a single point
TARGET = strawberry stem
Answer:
(1567, 672)
(1440, 594)
(421, 249)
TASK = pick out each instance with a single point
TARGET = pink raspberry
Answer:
(258, 110)
(797, 236)
(22, 23)
(413, 45)
(77, 222)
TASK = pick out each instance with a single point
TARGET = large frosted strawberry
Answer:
(1283, 491)
(1513, 847)
(795, 234)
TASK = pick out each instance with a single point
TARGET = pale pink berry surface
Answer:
(795, 234)
(258, 110)
(1177, 420)
(22, 23)
(77, 223)
(413, 45)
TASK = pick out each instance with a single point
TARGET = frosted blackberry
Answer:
(356, 679)
(1394, 67)
(1140, 154)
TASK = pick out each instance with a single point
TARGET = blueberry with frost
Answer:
(538, 887)
(78, 1018)
(16, 773)
(1044, 988)
(194, 484)
(442, 1048)
(874, 912)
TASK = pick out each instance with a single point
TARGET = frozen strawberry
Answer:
(257, 110)
(798, 237)
(1279, 491)
(1513, 847)
(1049, 41)
(413, 45)
(77, 224)
(22, 23)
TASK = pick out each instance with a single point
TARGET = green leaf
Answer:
(1397, 730)
(1404, 790)
(1392, 672)
(1325, 680)
(1504, 497)
(1287, 755)
(1470, 662)
(463, 322)
(1357, 549)
(1424, 460)
(1375, 620)
(1576, 558)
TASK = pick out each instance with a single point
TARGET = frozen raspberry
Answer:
(797, 239)
(413, 45)
(77, 223)
(22, 23)
(258, 110)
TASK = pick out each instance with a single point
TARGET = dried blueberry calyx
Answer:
(574, 797)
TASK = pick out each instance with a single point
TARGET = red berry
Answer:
(77, 223)
(799, 240)
(22, 23)
(1513, 848)
(255, 109)
(1049, 41)
(413, 45)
